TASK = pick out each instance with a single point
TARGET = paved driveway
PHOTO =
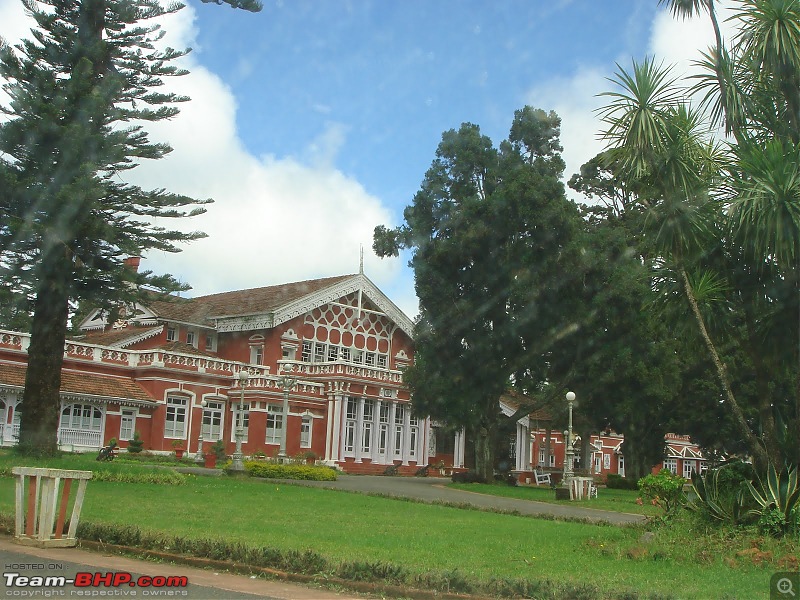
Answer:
(433, 489)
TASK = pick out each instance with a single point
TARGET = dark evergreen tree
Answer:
(490, 231)
(80, 90)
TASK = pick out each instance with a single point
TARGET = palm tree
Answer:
(664, 148)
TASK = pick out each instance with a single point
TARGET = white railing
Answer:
(259, 374)
(344, 368)
(79, 437)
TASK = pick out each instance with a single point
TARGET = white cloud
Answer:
(275, 219)
(575, 98)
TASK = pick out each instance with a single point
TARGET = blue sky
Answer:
(313, 121)
(390, 77)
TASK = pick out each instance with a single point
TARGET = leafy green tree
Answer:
(628, 370)
(79, 93)
(490, 231)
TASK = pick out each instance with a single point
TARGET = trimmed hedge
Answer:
(269, 470)
(160, 477)
(125, 474)
(618, 482)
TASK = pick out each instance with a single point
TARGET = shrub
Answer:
(391, 470)
(275, 471)
(720, 494)
(618, 482)
(467, 477)
(218, 448)
(776, 499)
(665, 489)
(135, 445)
(160, 477)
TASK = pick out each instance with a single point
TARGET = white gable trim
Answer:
(333, 293)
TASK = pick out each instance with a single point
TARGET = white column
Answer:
(376, 430)
(390, 434)
(522, 454)
(329, 430)
(424, 432)
(336, 428)
(359, 429)
(458, 454)
(406, 434)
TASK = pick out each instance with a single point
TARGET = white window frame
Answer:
(245, 414)
(257, 354)
(81, 416)
(306, 431)
(127, 423)
(274, 423)
(349, 436)
(213, 411)
(671, 464)
(176, 417)
(172, 334)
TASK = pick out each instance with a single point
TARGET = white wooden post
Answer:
(43, 507)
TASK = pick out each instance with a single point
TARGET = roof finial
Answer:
(361, 264)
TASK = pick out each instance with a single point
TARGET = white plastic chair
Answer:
(592, 490)
(542, 477)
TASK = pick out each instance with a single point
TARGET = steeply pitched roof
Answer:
(203, 309)
(90, 384)
(120, 338)
(514, 400)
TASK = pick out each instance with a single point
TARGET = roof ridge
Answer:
(276, 285)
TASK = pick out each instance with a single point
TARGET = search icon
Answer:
(784, 586)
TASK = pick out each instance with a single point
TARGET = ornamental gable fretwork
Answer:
(345, 323)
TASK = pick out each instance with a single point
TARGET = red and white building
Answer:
(170, 370)
(681, 455)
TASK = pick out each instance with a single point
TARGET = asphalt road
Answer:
(22, 564)
(433, 489)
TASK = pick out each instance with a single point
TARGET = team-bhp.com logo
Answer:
(88, 583)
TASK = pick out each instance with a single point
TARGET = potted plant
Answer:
(210, 460)
(177, 445)
(310, 456)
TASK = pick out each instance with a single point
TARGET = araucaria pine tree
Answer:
(80, 91)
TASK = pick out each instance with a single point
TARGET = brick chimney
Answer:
(132, 262)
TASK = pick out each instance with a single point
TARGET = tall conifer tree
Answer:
(80, 91)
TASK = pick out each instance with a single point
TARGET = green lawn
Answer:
(424, 538)
(607, 499)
